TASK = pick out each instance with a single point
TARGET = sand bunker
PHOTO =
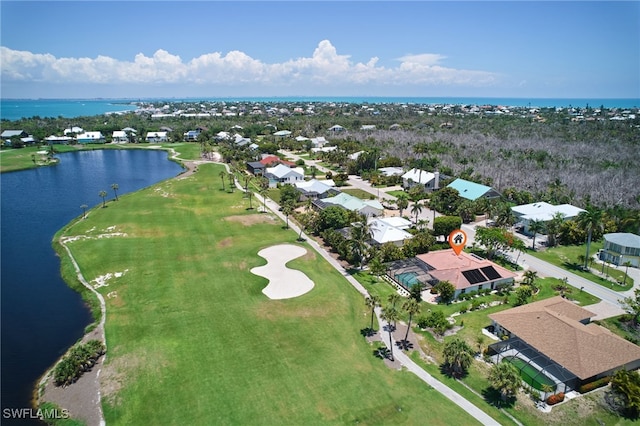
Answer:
(284, 283)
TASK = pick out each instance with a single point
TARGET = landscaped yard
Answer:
(192, 340)
(567, 257)
(356, 192)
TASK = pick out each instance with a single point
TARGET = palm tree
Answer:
(103, 194)
(222, 175)
(263, 193)
(416, 208)
(360, 234)
(231, 181)
(376, 267)
(390, 314)
(393, 299)
(553, 228)
(626, 265)
(373, 302)
(480, 339)
(84, 211)
(535, 226)
(590, 219)
(250, 196)
(413, 308)
(402, 201)
(247, 180)
(115, 187)
(505, 377)
(458, 355)
(530, 277)
(287, 209)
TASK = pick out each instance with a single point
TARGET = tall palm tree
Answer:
(250, 196)
(263, 193)
(390, 314)
(402, 201)
(231, 181)
(626, 265)
(412, 307)
(416, 209)
(287, 209)
(360, 234)
(553, 228)
(590, 220)
(222, 175)
(84, 211)
(393, 299)
(372, 302)
(535, 226)
(103, 195)
(115, 187)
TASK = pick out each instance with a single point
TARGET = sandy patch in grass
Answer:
(101, 281)
(226, 242)
(250, 219)
(284, 283)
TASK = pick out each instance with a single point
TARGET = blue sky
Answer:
(302, 48)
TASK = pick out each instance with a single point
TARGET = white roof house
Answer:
(349, 202)
(156, 137)
(74, 129)
(389, 230)
(90, 137)
(420, 177)
(119, 136)
(315, 188)
(391, 171)
(544, 212)
(284, 175)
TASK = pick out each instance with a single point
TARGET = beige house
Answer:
(556, 337)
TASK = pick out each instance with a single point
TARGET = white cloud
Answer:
(325, 67)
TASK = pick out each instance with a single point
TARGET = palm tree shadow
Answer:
(492, 396)
(382, 353)
(368, 332)
(405, 345)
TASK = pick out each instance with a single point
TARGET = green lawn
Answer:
(18, 159)
(395, 193)
(356, 192)
(566, 257)
(192, 340)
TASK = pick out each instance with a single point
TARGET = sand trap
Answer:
(284, 283)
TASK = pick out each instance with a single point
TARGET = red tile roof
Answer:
(273, 160)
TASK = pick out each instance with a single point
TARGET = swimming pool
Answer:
(530, 374)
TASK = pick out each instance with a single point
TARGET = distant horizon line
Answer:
(98, 98)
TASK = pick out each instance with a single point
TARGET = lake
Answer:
(41, 317)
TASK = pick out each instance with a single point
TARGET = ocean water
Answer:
(15, 109)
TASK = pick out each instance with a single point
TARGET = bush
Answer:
(554, 399)
(587, 387)
(80, 358)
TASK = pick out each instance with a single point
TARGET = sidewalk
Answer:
(400, 356)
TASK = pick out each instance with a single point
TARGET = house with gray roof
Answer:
(620, 248)
(316, 189)
(415, 177)
(282, 174)
(368, 208)
(543, 212)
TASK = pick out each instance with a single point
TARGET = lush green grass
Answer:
(18, 159)
(363, 195)
(192, 340)
(566, 257)
(395, 193)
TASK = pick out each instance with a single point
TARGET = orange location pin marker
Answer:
(457, 240)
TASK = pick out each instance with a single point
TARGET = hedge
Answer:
(587, 387)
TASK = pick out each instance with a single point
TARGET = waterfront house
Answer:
(119, 136)
(155, 137)
(90, 137)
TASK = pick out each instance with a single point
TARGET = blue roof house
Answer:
(472, 191)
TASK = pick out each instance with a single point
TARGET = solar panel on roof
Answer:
(474, 276)
(491, 273)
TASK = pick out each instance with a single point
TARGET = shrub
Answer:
(80, 358)
(475, 304)
(587, 387)
(464, 309)
(554, 399)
